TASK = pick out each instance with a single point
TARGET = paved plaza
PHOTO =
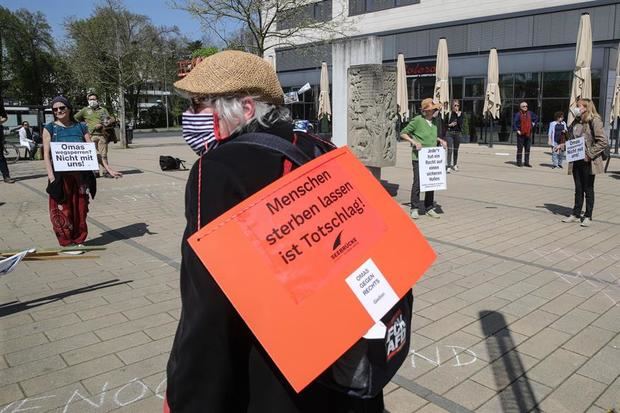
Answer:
(520, 311)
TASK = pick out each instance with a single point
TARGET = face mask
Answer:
(198, 132)
(93, 104)
(576, 111)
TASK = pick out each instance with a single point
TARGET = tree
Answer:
(28, 58)
(260, 25)
(116, 52)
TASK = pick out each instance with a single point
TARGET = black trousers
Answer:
(523, 142)
(454, 141)
(584, 186)
(429, 196)
(3, 166)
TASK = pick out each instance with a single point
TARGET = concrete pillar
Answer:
(344, 54)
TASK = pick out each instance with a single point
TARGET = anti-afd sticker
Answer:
(315, 222)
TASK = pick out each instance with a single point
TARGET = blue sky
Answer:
(159, 11)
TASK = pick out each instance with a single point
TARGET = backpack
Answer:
(167, 163)
(368, 366)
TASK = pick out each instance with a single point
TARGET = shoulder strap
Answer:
(275, 143)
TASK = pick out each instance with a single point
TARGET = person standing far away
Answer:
(523, 123)
(587, 124)
(557, 136)
(216, 364)
(26, 139)
(4, 168)
(96, 118)
(453, 137)
(69, 191)
(421, 132)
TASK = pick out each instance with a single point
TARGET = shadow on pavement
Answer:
(132, 172)
(546, 165)
(129, 231)
(392, 189)
(615, 175)
(556, 209)
(515, 391)
(16, 306)
(513, 163)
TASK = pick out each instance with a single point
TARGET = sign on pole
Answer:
(74, 156)
(319, 256)
(432, 170)
(575, 149)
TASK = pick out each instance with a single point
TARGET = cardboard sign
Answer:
(575, 149)
(74, 156)
(432, 171)
(318, 257)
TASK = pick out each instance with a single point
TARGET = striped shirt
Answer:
(198, 131)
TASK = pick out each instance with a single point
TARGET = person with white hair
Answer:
(216, 364)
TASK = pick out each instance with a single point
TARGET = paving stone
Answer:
(446, 326)
(146, 351)
(104, 348)
(505, 370)
(38, 326)
(576, 394)
(524, 305)
(610, 320)
(589, 340)
(556, 367)
(604, 366)
(562, 304)
(79, 327)
(543, 343)
(533, 322)
(153, 309)
(50, 349)
(610, 399)
(431, 408)
(403, 401)
(165, 330)
(574, 321)
(70, 375)
(10, 393)
(133, 326)
(25, 371)
(470, 394)
(522, 396)
(21, 343)
(116, 307)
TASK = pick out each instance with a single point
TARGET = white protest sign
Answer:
(432, 169)
(74, 156)
(7, 265)
(575, 149)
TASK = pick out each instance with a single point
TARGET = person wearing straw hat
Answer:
(421, 132)
(216, 364)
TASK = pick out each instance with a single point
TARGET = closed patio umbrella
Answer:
(402, 98)
(493, 100)
(325, 108)
(615, 103)
(441, 93)
(582, 76)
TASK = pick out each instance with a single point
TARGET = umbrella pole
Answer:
(491, 133)
(617, 134)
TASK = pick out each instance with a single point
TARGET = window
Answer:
(457, 88)
(474, 87)
(557, 84)
(368, 6)
(526, 86)
(320, 11)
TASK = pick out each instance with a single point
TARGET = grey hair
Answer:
(230, 110)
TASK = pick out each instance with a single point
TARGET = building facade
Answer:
(535, 42)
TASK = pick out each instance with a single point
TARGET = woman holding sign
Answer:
(589, 126)
(69, 191)
(421, 132)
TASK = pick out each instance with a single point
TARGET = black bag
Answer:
(56, 189)
(167, 163)
(369, 365)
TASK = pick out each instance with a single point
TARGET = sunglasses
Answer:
(59, 109)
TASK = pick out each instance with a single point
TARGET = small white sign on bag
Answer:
(575, 149)
(432, 169)
(74, 156)
(372, 289)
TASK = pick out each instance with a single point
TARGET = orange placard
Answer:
(318, 257)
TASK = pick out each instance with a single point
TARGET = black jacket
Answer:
(216, 364)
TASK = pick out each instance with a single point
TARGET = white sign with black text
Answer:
(432, 169)
(74, 156)
(575, 149)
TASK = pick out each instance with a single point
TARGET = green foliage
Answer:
(28, 58)
(205, 51)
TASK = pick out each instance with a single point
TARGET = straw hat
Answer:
(233, 72)
(429, 104)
